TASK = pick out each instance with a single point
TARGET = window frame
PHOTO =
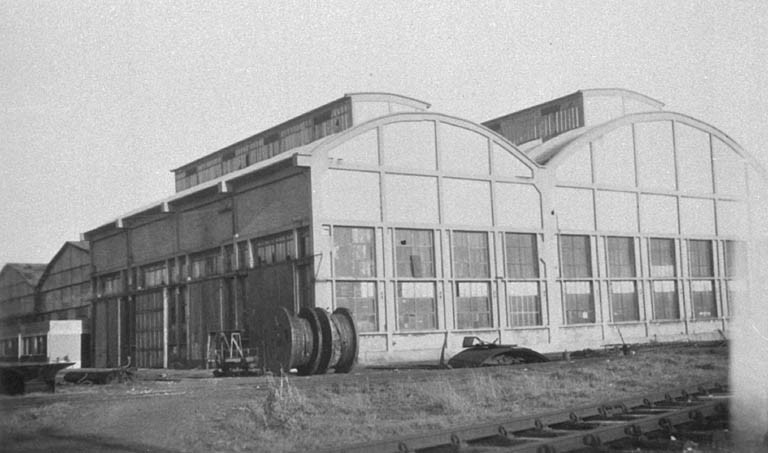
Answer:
(517, 317)
(661, 308)
(409, 279)
(568, 279)
(471, 271)
(621, 269)
(339, 280)
(698, 276)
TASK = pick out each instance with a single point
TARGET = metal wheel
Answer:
(329, 339)
(314, 357)
(345, 324)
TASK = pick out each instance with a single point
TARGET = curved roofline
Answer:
(559, 152)
(622, 91)
(370, 96)
(352, 132)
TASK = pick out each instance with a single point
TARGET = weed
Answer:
(285, 407)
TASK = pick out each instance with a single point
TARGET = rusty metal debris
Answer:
(479, 353)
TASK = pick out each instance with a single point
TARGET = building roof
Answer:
(219, 183)
(556, 150)
(82, 245)
(360, 97)
(30, 272)
(622, 92)
(543, 152)
(590, 92)
(293, 155)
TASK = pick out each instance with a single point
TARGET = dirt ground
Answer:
(171, 411)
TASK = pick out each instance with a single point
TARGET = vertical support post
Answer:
(166, 296)
(119, 301)
(220, 301)
(187, 312)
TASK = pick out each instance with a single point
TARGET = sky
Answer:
(100, 100)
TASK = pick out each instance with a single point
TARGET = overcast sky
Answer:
(100, 100)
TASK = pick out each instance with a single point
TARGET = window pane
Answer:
(524, 304)
(354, 249)
(700, 257)
(663, 258)
(624, 301)
(574, 251)
(522, 256)
(621, 257)
(470, 255)
(416, 306)
(473, 306)
(579, 306)
(703, 297)
(229, 258)
(243, 255)
(360, 299)
(415, 253)
(205, 264)
(665, 304)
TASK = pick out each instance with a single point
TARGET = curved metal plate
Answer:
(347, 338)
(326, 332)
(313, 360)
(494, 356)
(283, 341)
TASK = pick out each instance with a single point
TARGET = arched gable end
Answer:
(431, 142)
(658, 151)
(425, 168)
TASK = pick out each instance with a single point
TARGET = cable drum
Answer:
(289, 342)
(312, 364)
(312, 342)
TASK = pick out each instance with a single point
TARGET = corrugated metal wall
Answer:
(149, 330)
(205, 315)
(106, 327)
(267, 288)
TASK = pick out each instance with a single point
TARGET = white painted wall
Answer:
(411, 199)
(518, 206)
(467, 202)
(351, 195)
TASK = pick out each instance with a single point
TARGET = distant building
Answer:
(17, 301)
(589, 220)
(64, 289)
(50, 317)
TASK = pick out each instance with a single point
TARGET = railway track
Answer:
(673, 420)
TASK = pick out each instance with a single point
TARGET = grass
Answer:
(332, 413)
(296, 419)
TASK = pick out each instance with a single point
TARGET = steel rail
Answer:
(580, 427)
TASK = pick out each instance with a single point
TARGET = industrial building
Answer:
(17, 300)
(46, 308)
(592, 219)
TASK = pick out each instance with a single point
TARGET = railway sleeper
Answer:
(690, 419)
